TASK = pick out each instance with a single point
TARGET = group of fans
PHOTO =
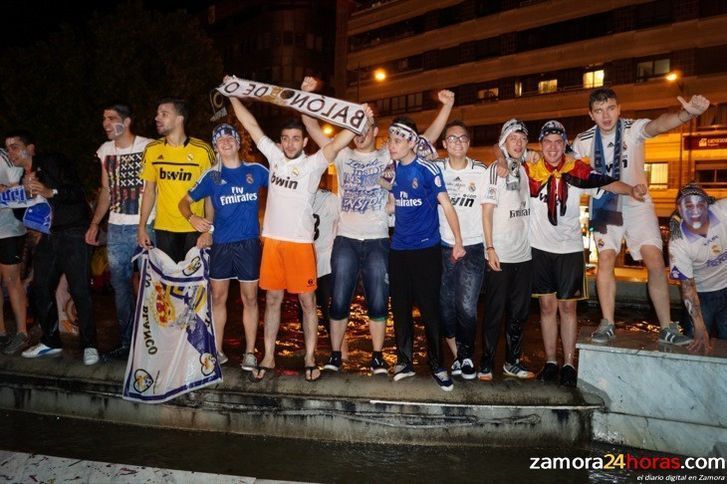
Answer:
(458, 225)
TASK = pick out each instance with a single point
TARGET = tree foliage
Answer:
(58, 87)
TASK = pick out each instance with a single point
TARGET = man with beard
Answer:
(698, 260)
(171, 166)
(288, 259)
(120, 195)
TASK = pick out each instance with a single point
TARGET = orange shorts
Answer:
(288, 266)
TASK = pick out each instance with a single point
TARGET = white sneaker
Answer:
(222, 358)
(40, 350)
(90, 356)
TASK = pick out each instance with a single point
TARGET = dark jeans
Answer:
(415, 276)
(66, 253)
(175, 244)
(507, 292)
(714, 311)
(461, 284)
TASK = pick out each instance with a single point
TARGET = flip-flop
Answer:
(267, 371)
(309, 374)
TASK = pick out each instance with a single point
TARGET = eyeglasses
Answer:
(462, 139)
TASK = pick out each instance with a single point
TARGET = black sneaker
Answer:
(441, 377)
(379, 366)
(120, 353)
(334, 362)
(468, 370)
(403, 370)
(568, 376)
(549, 373)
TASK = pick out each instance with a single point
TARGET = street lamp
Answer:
(379, 75)
(327, 129)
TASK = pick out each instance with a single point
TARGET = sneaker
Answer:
(40, 350)
(4, 339)
(604, 333)
(403, 370)
(549, 373)
(671, 336)
(18, 342)
(568, 376)
(443, 380)
(222, 358)
(379, 366)
(120, 353)
(468, 369)
(485, 373)
(90, 356)
(456, 367)
(517, 370)
(334, 362)
(249, 362)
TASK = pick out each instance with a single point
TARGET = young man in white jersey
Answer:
(509, 277)
(556, 184)
(361, 247)
(120, 195)
(698, 260)
(465, 180)
(615, 147)
(288, 260)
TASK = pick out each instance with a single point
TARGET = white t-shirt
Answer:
(9, 175)
(123, 166)
(703, 259)
(511, 217)
(363, 199)
(292, 185)
(632, 152)
(564, 238)
(325, 216)
(466, 190)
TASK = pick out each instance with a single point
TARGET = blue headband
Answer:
(225, 129)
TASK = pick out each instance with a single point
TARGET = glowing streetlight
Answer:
(380, 75)
(672, 76)
(327, 129)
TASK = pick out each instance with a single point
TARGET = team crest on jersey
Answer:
(249, 179)
(492, 193)
(716, 249)
(600, 243)
(415, 183)
(438, 181)
(472, 187)
(190, 157)
(295, 171)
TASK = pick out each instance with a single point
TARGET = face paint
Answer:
(118, 129)
(693, 210)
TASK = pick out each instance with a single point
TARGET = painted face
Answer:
(553, 148)
(227, 145)
(399, 148)
(292, 142)
(456, 142)
(515, 144)
(112, 124)
(694, 211)
(366, 141)
(605, 114)
(18, 152)
(167, 119)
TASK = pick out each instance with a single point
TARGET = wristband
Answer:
(679, 116)
(490, 247)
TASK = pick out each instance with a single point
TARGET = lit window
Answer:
(657, 175)
(490, 94)
(551, 85)
(652, 68)
(518, 88)
(593, 79)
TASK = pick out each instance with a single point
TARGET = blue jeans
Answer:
(461, 285)
(714, 311)
(119, 250)
(351, 257)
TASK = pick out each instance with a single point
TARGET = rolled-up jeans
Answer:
(461, 285)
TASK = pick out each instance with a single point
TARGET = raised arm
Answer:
(246, 118)
(667, 121)
(311, 124)
(435, 129)
(343, 138)
(637, 192)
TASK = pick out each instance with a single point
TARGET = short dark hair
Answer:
(294, 123)
(602, 94)
(456, 122)
(406, 121)
(23, 134)
(180, 105)
(123, 109)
